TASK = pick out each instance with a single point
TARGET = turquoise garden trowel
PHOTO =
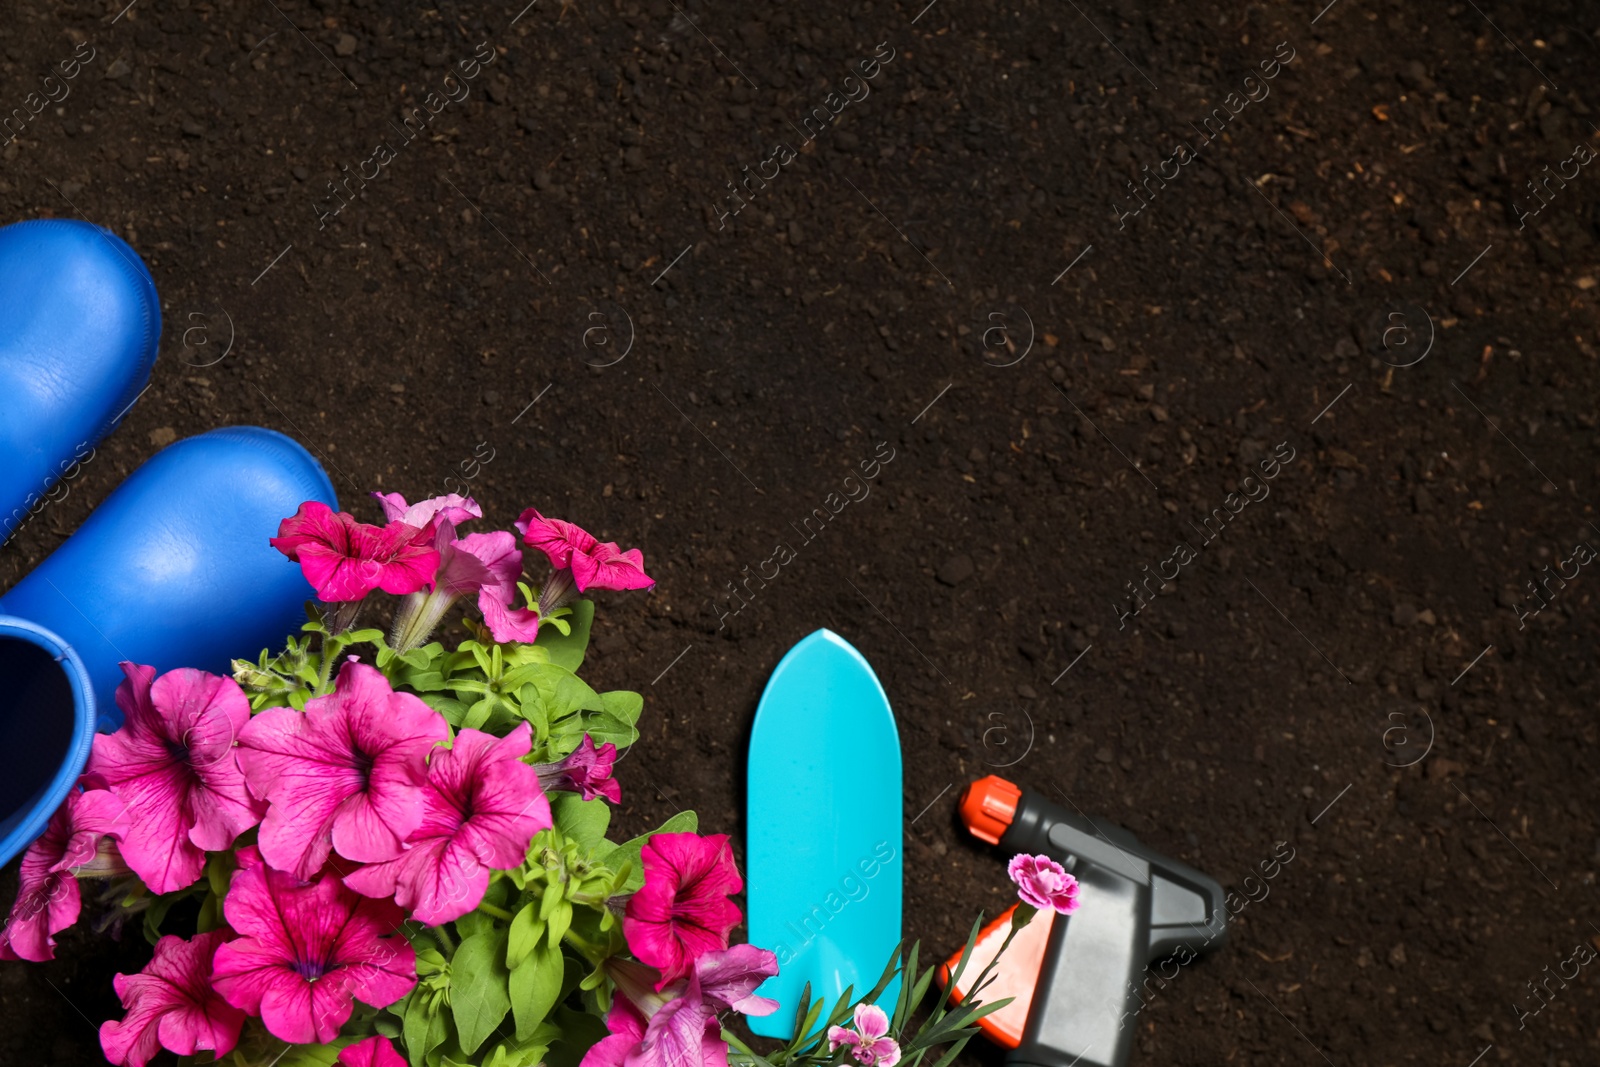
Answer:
(824, 858)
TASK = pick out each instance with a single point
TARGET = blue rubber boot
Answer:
(174, 569)
(79, 321)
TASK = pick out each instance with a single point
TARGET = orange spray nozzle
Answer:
(988, 806)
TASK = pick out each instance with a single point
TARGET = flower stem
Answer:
(419, 615)
(498, 913)
(446, 944)
(329, 647)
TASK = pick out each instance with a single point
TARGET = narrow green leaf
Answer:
(903, 1007)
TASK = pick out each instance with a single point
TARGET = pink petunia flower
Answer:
(425, 514)
(869, 1042)
(345, 559)
(594, 564)
(171, 1005)
(346, 774)
(47, 894)
(485, 564)
(679, 1027)
(683, 910)
(556, 538)
(172, 764)
(375, 1051)
(606, 566)
(1044, 883)
(587, 772)
(482, 806)
(306, 950)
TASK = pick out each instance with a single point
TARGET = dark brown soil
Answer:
(863, 295)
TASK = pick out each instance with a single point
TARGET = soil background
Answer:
(540, 298)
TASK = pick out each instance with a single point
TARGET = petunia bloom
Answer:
(346, 774)
(482, 806)
(345, 559)
(679, 1028)
(682, 911)
(605, 566)
(425, 514)
(172, 763)
(587, 772)
(171, 1005)
(375, 1051)
(485, 564)
(593, 564)
(1044, 883)
(47, 894)
(869, 1042)
(306, 951)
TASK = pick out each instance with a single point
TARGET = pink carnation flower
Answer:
(869, 1042)
(1044, 883)
(345, 774)
(172, 763)
(171, 1005)
(424, 515)
(679, 1027)
(481, 807)
(345, 559)
(594, 564)
(683, 910)
(587, 772)
(307, 951)
(47, 894)
(375, 1051)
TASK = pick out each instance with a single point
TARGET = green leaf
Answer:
(453, 710)
(526, 930)
(520, 1052)
(535, 987)
(478, 714)
(560, 922)
(623, 704)
(583, 821)
(567, 649)
(474, 922)
(479, 979)
(425, 1027)
(602, 727)
(908, 998)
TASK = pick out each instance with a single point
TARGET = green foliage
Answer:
(479, 685)
(945, 1027)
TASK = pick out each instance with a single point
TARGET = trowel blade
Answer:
(824, 861)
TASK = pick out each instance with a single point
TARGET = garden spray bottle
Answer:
(1080, 981)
